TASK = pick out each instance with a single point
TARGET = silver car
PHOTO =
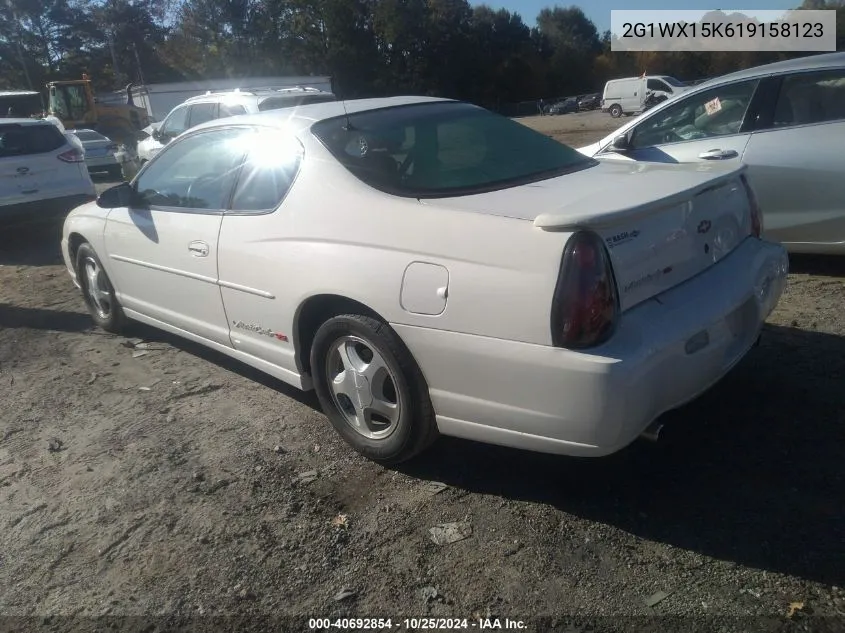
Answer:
(101, 153)
(785, 121)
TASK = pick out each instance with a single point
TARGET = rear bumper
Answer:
(38, 210)
(667, 351)
(101, 161)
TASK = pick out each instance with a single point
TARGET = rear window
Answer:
(23, 140)
(89, 135)
(279, 103)
(444, 149)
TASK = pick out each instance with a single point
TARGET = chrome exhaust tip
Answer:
(652, 431)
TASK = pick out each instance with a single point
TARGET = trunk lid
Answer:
(662, 224)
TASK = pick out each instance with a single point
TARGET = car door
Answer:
(712, 125)
(796, 161)
(256, 256)
(163, 248)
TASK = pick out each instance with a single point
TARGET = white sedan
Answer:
(430, 267)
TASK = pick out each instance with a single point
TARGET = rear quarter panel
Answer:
(335, 235)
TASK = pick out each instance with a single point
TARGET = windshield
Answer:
(674, 82)
(443, 149)
(68, 102)
(279, 103)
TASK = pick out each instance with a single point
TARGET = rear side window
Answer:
(443, 149)
(23, 140)
(268, 172)
(807, 98)
(280, 103)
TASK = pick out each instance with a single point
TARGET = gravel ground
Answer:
(177, 483)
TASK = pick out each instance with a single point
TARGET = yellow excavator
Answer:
(74, 104)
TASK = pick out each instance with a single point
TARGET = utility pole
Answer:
(113, 55)
(138, 62)
(19, 30)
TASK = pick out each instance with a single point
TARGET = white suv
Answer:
(42, 173)
(217, 105)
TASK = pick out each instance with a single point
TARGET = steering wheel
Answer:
(198, 183)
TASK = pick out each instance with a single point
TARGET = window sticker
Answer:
(713, 106)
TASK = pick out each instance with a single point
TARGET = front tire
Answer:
(371, 389)
(98, 291)
(616, 110)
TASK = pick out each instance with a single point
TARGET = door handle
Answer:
(198, 248)
(718, 154)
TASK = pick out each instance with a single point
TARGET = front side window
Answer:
(196, 172)
(268, 172)
(443, 149)
(815, 97)
(715, 112)
(657, 84)
(175, 123)
(231, 109)
(202, 113)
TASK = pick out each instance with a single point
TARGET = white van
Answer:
(625, 96)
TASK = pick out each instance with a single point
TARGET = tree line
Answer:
(369, 47)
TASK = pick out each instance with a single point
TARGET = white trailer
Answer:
(159, 99)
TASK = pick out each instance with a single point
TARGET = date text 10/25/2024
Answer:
(415, 624)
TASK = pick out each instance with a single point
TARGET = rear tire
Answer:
(371, 389)
(98, 291)
(615, 110)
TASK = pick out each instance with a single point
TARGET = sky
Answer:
(599, 10)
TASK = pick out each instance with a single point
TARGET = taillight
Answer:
(72, 156)
(756, 213)
(585, 307)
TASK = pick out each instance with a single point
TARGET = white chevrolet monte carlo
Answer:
(429, 267)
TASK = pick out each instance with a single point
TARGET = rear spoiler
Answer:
(598, 217)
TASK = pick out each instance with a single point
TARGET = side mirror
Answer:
(156, 134)
(122, 195)
(620, 144)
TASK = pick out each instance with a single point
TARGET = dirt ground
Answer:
(178, 485)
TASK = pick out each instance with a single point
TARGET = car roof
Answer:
(305, 115)
(810, 62)
(210, 96)
(23, 121)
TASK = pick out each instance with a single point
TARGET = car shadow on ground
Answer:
(12, 316)
(31, 244)
(825, 265)
(751, 472)
(154, 335)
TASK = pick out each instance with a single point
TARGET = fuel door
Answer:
(425, 288)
